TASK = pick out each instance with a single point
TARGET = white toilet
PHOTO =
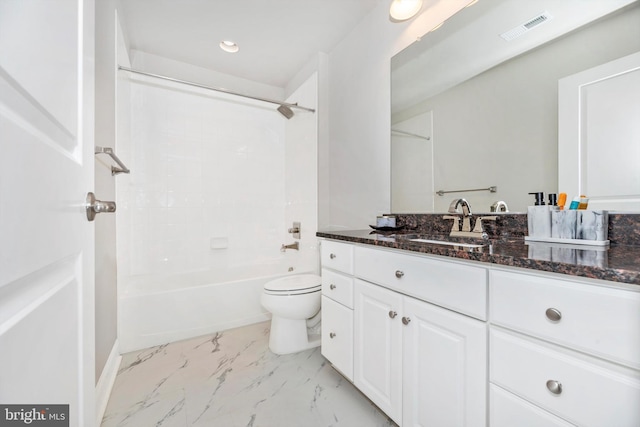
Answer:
(294, 302)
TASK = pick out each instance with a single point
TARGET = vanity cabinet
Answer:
(563, 352)
(439, 342)
(422, 364)
(337, 305)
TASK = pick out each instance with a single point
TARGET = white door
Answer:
(444, 367)
(377, 350)
(46, 170)
(599, 135)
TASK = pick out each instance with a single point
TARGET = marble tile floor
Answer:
(231, 379)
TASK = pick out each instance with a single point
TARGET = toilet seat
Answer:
(294, 285)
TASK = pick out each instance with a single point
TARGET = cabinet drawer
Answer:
(508, 410)
(337, 336)
(337, 256)
(595, 319)
(338, 287)
(459, 287)
(594, 392)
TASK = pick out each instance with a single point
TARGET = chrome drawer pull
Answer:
(332, 335)
(332, 256)
(393, 314)
(553, 314)
(399, 274)
(406, 320)
(332, 286)
(554, 386)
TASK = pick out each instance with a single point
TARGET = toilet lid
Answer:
(302, 283)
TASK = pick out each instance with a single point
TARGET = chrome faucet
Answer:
(466, 212)
(499, 206)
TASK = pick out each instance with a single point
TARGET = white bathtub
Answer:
(158, 310)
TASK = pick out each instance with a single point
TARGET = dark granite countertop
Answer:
(616, 263)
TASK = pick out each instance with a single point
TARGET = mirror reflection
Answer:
(475, 103)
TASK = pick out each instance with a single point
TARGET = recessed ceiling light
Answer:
(229, 46)
(401, 10)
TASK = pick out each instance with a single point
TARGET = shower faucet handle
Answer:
(295, 230)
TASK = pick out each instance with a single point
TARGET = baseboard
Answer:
(106, 381)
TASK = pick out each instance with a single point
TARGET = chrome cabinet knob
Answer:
(554, 386)
(332, 256)
(399, 274)
(332, 335)
(553, 314)
(406, 320)
(332, 286)
(393, 314)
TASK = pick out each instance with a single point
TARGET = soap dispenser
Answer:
(539, 217)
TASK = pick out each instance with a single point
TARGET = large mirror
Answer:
(475, 102)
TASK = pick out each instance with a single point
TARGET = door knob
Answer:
(406, 320)
(97, 206)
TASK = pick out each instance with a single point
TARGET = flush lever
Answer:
(95, 206)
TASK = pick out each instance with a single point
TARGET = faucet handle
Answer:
(477, 228)
(456, 222)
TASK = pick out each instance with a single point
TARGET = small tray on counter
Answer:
(581, 242)
(387, 228)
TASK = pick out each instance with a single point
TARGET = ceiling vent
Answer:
(527, 26)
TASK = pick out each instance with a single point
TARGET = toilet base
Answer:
(290, 336)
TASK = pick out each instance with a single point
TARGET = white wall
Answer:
(358, 167)
(207, 187)
(301, 175)
(105, 224)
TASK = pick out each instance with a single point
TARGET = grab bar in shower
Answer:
(109, 151)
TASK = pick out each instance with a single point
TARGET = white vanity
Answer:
(438, 341)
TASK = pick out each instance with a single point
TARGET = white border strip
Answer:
(106, 381)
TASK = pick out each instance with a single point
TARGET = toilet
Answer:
(294, 303)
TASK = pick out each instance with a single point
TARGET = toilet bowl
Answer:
(294, 303)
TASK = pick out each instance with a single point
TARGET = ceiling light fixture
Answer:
(229, 46)
(401, 10)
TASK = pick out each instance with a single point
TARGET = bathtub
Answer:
(154, 310)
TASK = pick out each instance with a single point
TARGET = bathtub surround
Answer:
(232, 379)
(216, 181)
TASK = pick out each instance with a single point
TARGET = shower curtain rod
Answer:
(171, 79)
(415, 135)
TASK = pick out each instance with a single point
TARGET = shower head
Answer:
(285, 111)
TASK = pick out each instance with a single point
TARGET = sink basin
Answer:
(447, 243)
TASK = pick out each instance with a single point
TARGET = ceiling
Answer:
(276, 37)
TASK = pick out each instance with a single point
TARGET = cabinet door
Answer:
(378, 346)
(445, 367)
(337, 336)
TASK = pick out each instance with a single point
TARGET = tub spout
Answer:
(294, 245)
